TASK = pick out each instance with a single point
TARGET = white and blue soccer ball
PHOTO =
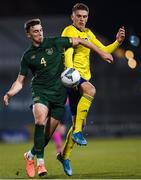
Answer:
(70, 77)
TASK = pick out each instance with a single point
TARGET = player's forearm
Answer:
(16, 87)
(104, 55)
(111, 47)
(92, 47)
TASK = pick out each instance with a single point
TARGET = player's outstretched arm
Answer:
(104, 55)
(15, 88)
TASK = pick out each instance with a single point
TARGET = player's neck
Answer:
(80, 29)
(36, 44)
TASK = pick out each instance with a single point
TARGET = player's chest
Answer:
(43, 57)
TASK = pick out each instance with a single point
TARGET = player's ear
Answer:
(28, 35)
(72, 17)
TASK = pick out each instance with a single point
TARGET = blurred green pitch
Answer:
(100, 159)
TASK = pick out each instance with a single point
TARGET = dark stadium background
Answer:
(116, 108)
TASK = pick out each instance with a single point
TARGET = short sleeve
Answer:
(23, 67)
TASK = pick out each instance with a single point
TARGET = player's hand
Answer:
(107, 57)
(6, 99)
(121, 35)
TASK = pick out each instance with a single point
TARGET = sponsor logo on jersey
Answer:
(33, 57)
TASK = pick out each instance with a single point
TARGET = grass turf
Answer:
(100, 159)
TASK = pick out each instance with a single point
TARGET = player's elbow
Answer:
(18, 85)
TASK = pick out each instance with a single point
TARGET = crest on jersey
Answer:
(87, 38)
(49, 51)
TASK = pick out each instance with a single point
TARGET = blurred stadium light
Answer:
(132, 63)
(134, 40)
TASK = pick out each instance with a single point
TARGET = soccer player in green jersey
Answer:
(82, 97)
(45, 59)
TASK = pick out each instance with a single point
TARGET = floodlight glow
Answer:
(132, 63)
(134, 40)
(129, 54)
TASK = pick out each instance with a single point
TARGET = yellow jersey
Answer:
(79, 56)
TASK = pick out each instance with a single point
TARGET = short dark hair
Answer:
(80, 6)
(31, 22)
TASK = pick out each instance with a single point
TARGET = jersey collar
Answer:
(78, 28)
(41, 45)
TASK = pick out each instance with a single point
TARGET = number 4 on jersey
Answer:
(43, 62)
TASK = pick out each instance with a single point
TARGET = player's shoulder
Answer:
(50, 41)
(69, 28)
(56, 39)
(27, 53)
(59, 41)
(70, 31)
(88, 30)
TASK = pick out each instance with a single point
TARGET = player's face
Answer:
(36, 34)
(80, 18)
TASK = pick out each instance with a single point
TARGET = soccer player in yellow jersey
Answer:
(82, 97)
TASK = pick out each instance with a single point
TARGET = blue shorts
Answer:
(74, 96)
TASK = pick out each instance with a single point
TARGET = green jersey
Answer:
(46, 62)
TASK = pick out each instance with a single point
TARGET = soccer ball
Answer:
(70, 77)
